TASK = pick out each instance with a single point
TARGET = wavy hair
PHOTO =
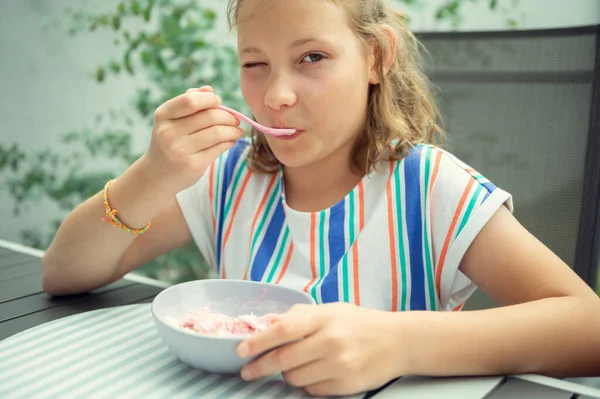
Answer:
(401, 108)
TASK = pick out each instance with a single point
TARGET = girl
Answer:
(359, 209)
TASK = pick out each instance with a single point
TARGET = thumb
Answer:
(203, 88)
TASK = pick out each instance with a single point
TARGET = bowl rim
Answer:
(239, 337)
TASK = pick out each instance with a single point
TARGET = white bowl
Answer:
(211, 353)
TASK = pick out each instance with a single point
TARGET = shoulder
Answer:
(434, 166)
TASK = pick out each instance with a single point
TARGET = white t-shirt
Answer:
(394, 242)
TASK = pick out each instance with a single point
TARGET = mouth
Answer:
(288, 136)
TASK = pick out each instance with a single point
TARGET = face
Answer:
(303, 67)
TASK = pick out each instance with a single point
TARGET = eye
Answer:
(251, 65)
(313, 57)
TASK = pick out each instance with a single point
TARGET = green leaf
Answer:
(210, 15)
(115, 67)
(146, 58)
(103, 20)
(116, 22)
(493, 4)
(135, 7)
(100, 74)
(127, 62)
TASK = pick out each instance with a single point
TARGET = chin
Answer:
(291, 157)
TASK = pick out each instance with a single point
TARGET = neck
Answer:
(321, 185)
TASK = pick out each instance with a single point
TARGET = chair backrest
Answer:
(523, 108)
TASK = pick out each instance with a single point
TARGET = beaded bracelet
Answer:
(111, 214)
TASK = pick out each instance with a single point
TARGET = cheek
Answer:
(252, 92)
(343, 97)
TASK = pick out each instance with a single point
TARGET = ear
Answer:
(389, 54)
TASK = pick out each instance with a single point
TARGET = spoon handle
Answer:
(256, 125)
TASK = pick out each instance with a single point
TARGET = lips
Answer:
(290, 136)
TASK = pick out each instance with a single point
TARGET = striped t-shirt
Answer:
(394, 242)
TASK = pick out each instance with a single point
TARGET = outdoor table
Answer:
(104, 345)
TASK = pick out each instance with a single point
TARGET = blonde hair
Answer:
(401, 108)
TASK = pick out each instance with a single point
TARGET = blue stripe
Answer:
(269, 243)
(414, 224)
(490, 189)
(337, 247)
(235, 153)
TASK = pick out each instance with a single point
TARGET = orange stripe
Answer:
(286, 264)
(436, 169)
(256, 215)
(313, 267)
(361, 202)
(210, 195)
(438, 272)
(392, 236)
(233, 212)
(459, 307)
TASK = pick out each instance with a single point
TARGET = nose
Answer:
(280, 93)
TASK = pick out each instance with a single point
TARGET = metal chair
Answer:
(523, 108)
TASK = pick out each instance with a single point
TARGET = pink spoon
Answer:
(257, 126)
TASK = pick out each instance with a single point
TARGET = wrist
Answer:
(138, 195)
(405, 343)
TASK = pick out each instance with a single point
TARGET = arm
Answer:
(87, 253)
(188, 135)
(550, 324)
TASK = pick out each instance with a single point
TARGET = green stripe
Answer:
(141, 378)
(210, 387)
(321, 255)
(345, 278)
(428, 263)
(48, 345)
(469, 210)
(97, 318)
(166, 381)
(72, 365)
(284, 241)
(236, 180)
(400, 218)
(217, 191)
(186, 384)
(256, 391)
(261, 225)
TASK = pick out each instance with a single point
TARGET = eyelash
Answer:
(251, 65)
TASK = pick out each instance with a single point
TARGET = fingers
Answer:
(209, 137)
(310, 374)
(209, 155)
(187, 104)
(299, 322)
(204, 119)
(336, 387)
(285, 358)
(203, 88)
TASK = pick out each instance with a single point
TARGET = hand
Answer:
(189, 133)
(332, 349)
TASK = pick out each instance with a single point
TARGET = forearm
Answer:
(553, 336)
(85, 252)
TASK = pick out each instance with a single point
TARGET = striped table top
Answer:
(113, 353)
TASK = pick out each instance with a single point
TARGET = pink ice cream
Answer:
(206, 321)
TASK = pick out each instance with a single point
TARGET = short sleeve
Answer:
(201, 204)
(196, 206)
(461, 202)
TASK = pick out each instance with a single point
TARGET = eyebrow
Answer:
(295, 44)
